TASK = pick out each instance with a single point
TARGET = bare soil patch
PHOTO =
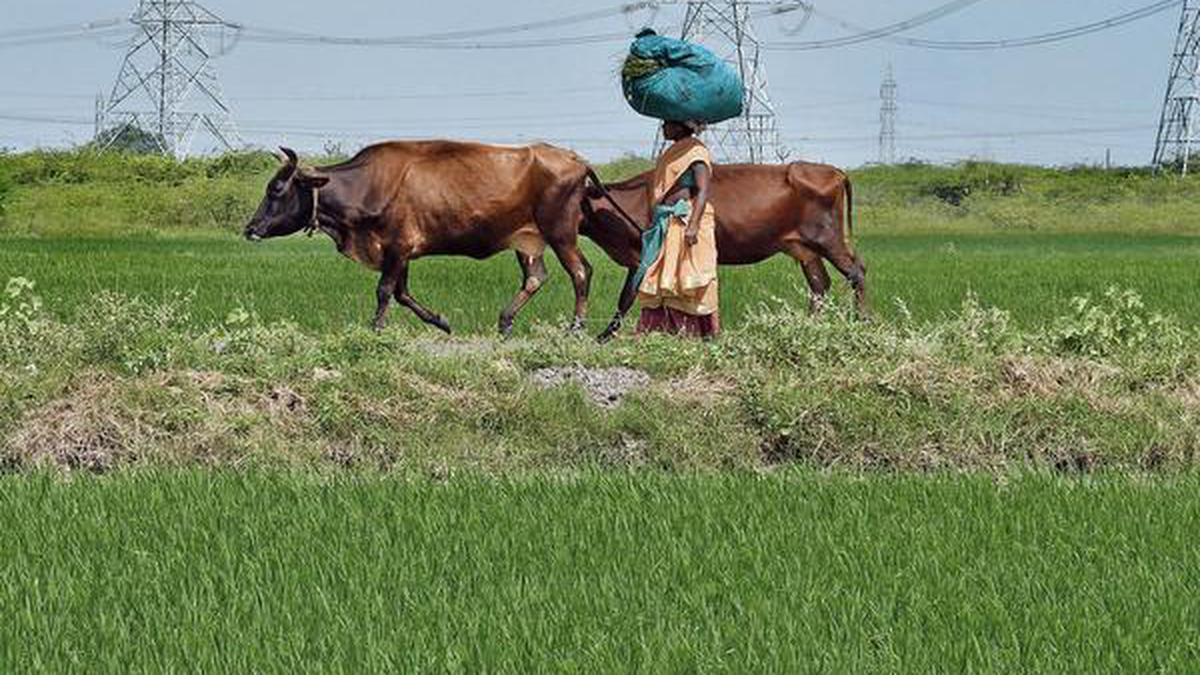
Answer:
(606, 387)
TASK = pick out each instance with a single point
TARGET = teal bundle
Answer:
(672, 79)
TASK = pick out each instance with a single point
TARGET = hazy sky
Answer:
(1055, 104)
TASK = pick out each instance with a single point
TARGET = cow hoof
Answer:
(608, 334)
(378, 326)
(576, 326)
(506, 329)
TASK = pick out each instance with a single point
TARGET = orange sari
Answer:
(679, 291)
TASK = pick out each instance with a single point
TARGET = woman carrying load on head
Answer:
(678, 286)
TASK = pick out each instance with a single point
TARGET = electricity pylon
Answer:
(1178, 127)
(167, 87)
(725, 26)
(887, 118)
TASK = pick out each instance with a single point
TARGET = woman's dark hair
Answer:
(687, 128)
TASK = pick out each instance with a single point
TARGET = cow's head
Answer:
(288, 205)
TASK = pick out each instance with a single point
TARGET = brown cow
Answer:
(395, 202)
(801, 209)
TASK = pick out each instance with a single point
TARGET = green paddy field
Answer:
(599, 573)
(1033, 275)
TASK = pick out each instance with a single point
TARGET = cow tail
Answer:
(609, 198)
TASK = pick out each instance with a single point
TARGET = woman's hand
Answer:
(691, 235)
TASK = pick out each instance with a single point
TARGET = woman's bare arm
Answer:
(702, 176)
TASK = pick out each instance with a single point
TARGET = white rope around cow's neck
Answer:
(314, 221)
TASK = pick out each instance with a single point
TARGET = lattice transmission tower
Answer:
(1178, 127)
(725, 26)
(887, 118)
(167, 87)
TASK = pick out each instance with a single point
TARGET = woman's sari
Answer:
(678, 287)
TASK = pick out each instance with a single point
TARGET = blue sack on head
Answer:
(672, 79)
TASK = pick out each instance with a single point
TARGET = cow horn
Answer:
(289, 156)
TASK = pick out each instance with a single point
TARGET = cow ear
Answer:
(289, 156)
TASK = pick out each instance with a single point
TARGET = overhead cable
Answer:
(867, 35)
(1027, 41)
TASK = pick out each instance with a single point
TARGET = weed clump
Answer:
(1117, 321)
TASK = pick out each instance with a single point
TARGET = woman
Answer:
(678, 286)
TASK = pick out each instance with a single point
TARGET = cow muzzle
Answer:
(252, 233)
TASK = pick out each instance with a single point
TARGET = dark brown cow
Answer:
(801, 209)
(395, 202)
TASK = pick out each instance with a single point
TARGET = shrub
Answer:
(132, 139)
(240, 164)
(625, 167)
(27, 334)
(1118, 321)
(955, 186)
(5, 191)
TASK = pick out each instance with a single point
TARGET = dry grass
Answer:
(103, 422)
(82, 430)
(697, 386)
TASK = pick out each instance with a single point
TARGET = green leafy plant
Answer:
(5, 192)
(1117, 321)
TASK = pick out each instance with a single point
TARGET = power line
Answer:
(1022, 112)
(448, 40)
(342, 41)
(44, 119)
(60, 28)
(452, 40)
(1020, 133)
(1031, 109)
(544, 120)
(503, 93)
(867, 35)
(569, 20)
(69, 37)
(353, 96)
(1028, 41)
(45, 95)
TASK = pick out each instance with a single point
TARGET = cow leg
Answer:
(402, 296)
(818, 283)
(534, 270)
(628, 295)
(559, 217)
(852, 267)
(815, 273)
(383, 292)
(580, 271)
